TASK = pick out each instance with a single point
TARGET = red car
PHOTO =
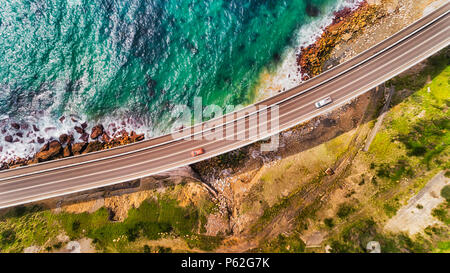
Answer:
(197, 152)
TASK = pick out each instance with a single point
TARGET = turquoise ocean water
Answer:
(137, 59)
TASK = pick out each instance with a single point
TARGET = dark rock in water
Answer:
(9, 139)
(79, 130)
(40, 140)
(93, 147)
(35, 128)
(84, 125)
(151, 85)
(312, 10)
(64, 138)
(67, 151)
(85, 137)
(97, 131)
(78, 148)
(61, 119)
(19, 134)
(1, 149)
(54, 149)
(15, 126)
(24, 126)
(48, 129)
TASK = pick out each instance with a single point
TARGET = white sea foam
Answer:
(25, 140)
(288, 75)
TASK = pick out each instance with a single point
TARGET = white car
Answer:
(323, 102)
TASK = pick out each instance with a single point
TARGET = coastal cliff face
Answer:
(285, 201)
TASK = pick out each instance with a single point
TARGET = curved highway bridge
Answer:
(342, 83)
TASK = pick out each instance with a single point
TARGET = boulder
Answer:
(48, 129)
(78, 148)
(40, 140)
(93, 147)
(15, 126)
(53, 149)
(45, 147)
(97, 131)
(106, 138)
(9, 139)
(70, 139)
(135, 137)
(35, 128)
(79, 130)
(64, 138)
(85, 137)
(67, 151)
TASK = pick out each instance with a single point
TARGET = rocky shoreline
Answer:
(312, 60)
(347, 23)
(67, 145)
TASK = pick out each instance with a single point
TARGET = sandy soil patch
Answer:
(416, 215)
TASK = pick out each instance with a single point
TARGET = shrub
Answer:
(76, 226)
(8, 237)
(445, 192)
(345, 210)
(147, 249)
(329, 222)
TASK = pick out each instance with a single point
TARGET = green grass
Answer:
(411, 147)
(154, 219)
(415, 137)
(442, 212)
(151, 221)
(442, 247)
(283, 244)
(26, 226)
(356, 235)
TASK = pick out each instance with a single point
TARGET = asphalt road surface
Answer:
(342, 83)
